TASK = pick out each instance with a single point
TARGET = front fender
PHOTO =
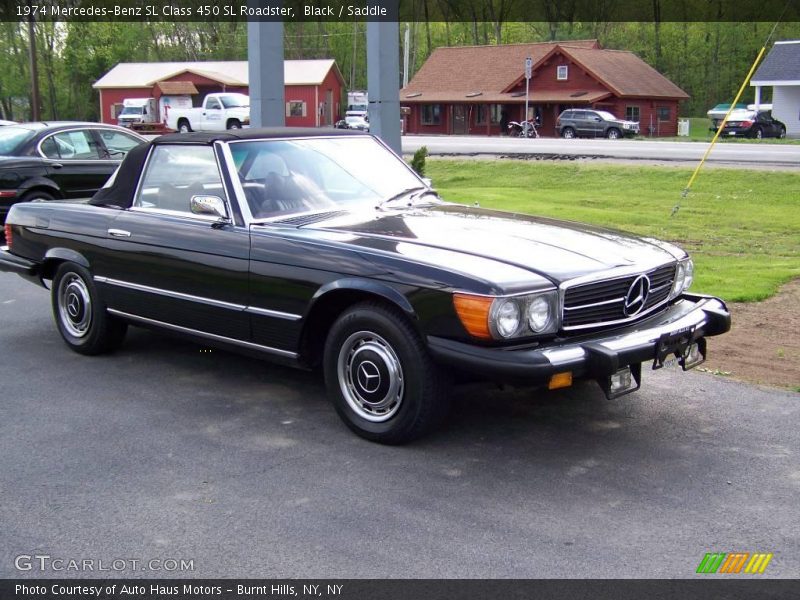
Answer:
(368, 286)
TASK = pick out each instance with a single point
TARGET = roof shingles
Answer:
(451, 73)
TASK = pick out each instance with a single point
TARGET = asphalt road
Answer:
(742, 154)
(167, 451)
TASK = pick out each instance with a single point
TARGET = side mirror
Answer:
(211, 206)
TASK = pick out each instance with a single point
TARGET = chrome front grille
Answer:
(604, 302)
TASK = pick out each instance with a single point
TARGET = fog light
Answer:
(624, 381)
(560, 380)
(695, 355)
(621, 380)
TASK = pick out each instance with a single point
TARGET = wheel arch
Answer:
(332, 299)
(55, 256)
(40, 183)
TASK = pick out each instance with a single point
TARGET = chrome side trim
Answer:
(265, 312)
(203, 334)
(170, 294)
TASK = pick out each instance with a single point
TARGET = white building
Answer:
(781, 70)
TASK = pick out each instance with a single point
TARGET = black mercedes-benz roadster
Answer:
(323, 248)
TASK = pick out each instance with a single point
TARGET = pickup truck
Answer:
(218, 113)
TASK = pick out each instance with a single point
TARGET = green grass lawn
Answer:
(741, 227)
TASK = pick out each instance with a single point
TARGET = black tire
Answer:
(568, 133)
(234, 124)
(782, 133)
(184, 126)
(34, 195)
(758, 133)
(380, 377)
(81, 317)
(613, 133)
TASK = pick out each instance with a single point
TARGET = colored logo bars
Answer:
(734, 562)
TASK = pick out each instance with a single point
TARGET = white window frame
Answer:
(562, 72)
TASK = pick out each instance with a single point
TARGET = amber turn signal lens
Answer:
(560, 380)
(474, 314)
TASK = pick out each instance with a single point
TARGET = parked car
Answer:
(752, 124)
(48, 161)
(323, 248)
(594, 123)
(357, 120)
(218, 113)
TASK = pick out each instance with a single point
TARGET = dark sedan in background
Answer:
(752, 124)
(48, 161)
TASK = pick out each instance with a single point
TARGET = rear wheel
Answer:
(568, 133)
(613, 134)
(758, 133)
(183, 126)
(234, 124)
(80, 316)
(37, 195)
(782, 133)
(379, 376)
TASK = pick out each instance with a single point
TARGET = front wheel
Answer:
(379, 376)
(613, 134)
(80, 316)
(568, 133)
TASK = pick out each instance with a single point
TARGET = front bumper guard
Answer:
(597, 355)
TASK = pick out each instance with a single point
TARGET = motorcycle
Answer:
(523, 129)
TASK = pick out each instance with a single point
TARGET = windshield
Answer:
(132, 110)
(235, 100)
(282, 177)
(11, 138)
(607, 116)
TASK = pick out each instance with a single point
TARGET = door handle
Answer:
(119, 233)
(56, 165)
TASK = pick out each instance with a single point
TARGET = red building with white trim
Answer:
(469, 89)
(314, 88)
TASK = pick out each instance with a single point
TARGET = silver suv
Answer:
(594, 123)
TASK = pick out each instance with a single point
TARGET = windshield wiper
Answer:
(408, 192)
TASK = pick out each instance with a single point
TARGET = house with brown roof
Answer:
(475, 89)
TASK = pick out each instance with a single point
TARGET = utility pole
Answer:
(406, 50)
(35, 103)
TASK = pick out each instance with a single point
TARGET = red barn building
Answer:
(314, 88)
(469, 89)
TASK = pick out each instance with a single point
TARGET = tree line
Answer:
(708, 60)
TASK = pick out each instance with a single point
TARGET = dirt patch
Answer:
(763, 345)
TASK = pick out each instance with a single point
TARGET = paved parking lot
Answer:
(166, 450)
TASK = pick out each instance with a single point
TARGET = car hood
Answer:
(554, 249)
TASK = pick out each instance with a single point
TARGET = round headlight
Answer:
(506, 318)
(677, 288)
(688, 275)
(539, 314)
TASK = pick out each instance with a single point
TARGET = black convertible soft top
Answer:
(121, 193)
